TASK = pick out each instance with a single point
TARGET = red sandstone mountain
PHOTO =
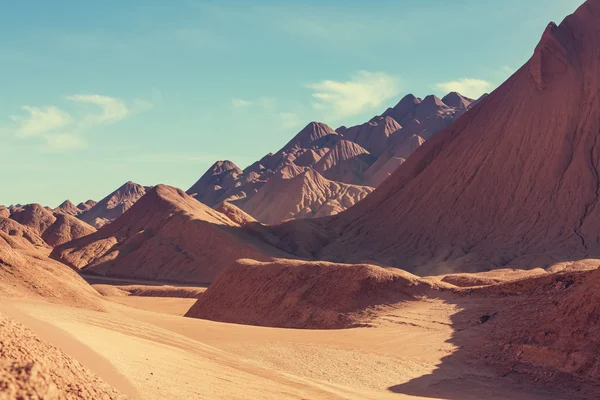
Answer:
(87, 205)
(67, 208)
(166, 235)
(113, 205)
(365, 154)
(66, 228)
(513, 182)
(306, 194)
(53, 228)
(35, 217)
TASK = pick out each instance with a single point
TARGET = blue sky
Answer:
(93, 94)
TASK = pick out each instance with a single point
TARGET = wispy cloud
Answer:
(58, 129)
(112, 109)
(40, 120)
(469, 87)
(364, 91)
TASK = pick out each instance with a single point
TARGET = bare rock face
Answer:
(113, 205)
(300, 294)
(512, 183)
(304, 195)
(166, 235)
(30, 368)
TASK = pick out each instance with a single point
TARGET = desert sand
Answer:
(423, 349)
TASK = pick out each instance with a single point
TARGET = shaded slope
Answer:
(26, 271)
(512, 182)
(167, 235)
(301, 294)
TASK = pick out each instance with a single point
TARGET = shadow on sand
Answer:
(491, 332)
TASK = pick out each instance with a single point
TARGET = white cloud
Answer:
(61, 130)
(473, 88)
(113, 109)
(365, 91)
(40, 120)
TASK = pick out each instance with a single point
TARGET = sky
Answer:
(94, 94)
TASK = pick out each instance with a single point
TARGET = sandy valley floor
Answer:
(152, 355)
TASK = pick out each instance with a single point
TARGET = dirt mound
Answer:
(33, 369)
(301, 294)
(26, 271)
(167, 235)
(113, 205)
(455, 204)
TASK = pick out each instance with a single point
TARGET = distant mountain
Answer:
(68, 208)
(303, 193)
(113, 205)
(361, 156)
(54, 228)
